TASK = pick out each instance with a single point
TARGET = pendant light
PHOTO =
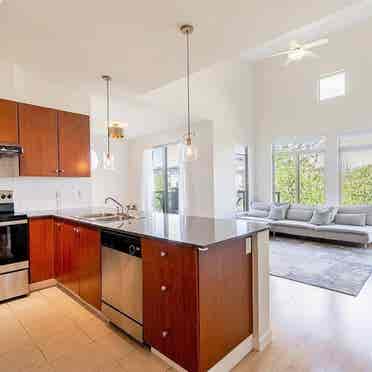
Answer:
(189, 151)
(108, 157)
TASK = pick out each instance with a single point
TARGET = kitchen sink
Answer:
(118, 217)
(105, 217)
(93, 216)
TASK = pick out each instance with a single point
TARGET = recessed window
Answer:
(299, 170)
(331, 86)
(356, 168)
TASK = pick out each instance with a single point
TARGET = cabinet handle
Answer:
(164, 334)
(62, 171)
(56, 171)
(203, 249)
(163, 254)
(163, 288)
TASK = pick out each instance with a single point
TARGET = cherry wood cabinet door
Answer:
(58, 256)
(170, 295)
(90, 265)
(74, 144)
(38, 135)
(41, 249)
(8, 122)
(70, 256)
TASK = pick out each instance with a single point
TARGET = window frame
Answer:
(329, 74)
(297, 171)
(340, 166)
(246, 178)
(164, 148)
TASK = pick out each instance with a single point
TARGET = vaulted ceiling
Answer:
(137, 41)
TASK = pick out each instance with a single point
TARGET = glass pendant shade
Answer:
(108, 161)
(189, 150)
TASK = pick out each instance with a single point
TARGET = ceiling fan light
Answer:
(297, 54)
(116, 131)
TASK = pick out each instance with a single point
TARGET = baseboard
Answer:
(168, 361)
(42, 285)
(234, 357)
(225, 364)
(78, 299)
(263, 342)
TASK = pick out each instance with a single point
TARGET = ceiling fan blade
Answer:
(315, 44)
(310, 54)
(280, 53)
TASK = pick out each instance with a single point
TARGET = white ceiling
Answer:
(137, 42)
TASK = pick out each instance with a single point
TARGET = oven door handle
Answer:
(11, 223)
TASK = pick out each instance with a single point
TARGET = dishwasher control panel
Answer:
(124, 243)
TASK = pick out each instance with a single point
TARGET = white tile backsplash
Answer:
(37, 193)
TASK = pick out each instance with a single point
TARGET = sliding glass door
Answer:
(166, 178)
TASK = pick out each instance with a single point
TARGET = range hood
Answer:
(10, 150)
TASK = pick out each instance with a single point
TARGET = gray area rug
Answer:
(338, 268)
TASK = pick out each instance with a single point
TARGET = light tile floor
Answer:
(50, 332)
(314, 330)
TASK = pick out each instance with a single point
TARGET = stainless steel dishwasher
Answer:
(122, 297)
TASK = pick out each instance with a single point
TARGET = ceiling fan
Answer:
(297, 51)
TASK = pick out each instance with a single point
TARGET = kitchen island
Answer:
(205, 286)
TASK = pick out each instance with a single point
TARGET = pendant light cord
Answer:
(108, 115)
(188, 83)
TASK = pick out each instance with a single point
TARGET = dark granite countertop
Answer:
(196, 231)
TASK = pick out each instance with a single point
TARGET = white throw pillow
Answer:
(278, 212)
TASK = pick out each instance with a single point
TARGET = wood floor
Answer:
(313, 330)
(316, 330)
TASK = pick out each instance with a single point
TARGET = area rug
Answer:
(338, 268)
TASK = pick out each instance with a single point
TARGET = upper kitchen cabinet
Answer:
(74, 144)
(38, 135)
(8, 122)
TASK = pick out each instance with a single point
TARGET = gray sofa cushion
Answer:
(351, 219)
(278, 212)
(261, 206)
(347, 229)
(257, 213)
(323, 216)
(255, 219)
(298, 212)
(290, 224)
(355, 209)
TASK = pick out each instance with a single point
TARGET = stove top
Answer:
(4, 217)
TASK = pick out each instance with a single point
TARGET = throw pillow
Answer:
(322, 216)
(278, 212)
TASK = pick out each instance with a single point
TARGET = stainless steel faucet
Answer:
(117, 204)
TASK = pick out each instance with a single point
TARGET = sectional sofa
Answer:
(350, 224)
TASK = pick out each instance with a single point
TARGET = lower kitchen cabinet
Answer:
(90, 265)
(78, 260)
(170, 290)
(41, 232)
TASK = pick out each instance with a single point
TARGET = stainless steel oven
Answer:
(14, 251)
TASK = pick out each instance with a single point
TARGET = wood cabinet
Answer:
(8, 122)
(38, 136)
(170, 301)
(78, 260)
(41, 232)
(74, 144)
(90, 265)
(55, 143)
(197, 304)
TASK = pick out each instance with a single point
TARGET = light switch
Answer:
(248, 246)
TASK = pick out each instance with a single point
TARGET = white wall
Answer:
(32, 193)
(286, 102)
(221, 94)
(199, 174)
